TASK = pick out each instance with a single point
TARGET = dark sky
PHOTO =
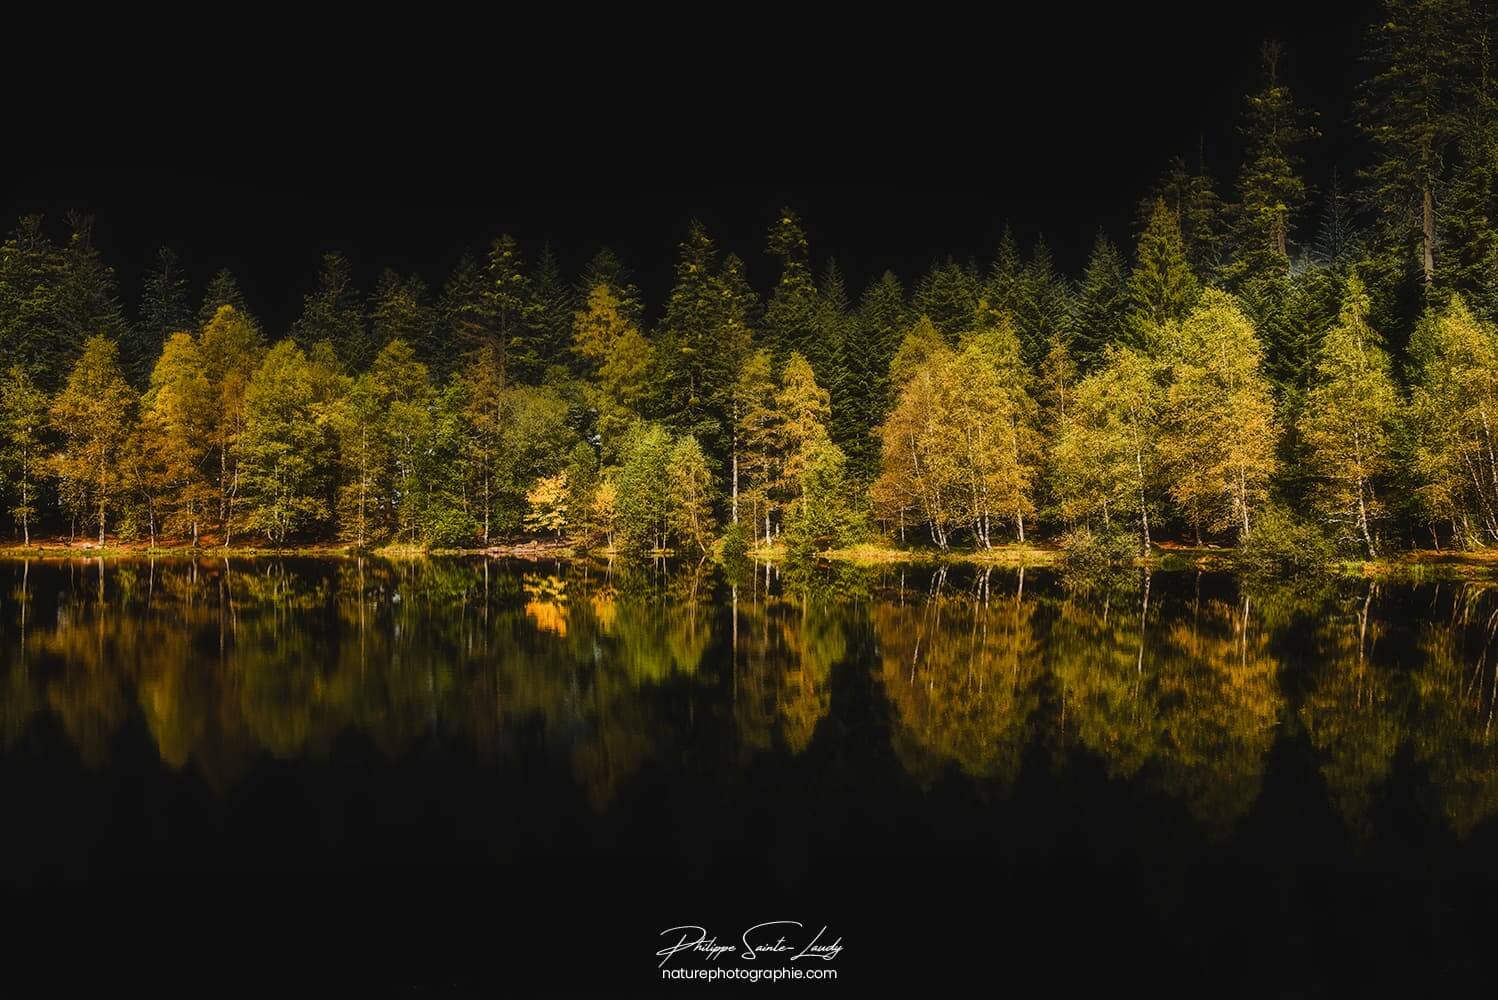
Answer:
(897, 145)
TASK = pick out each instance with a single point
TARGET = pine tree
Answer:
(552, 305)
(1422, 54)
(164, 310)
(1044, 307)
(399, 310)
(607, 269)
(1100, 306)
(87, 297)
(460, 319)
(883, 319)
(223, 290)
(333, 313)
(31, 274)
(1471, 239)
(1338, 240)
(1200, 213)
(509, 311)
(1271, 191)
(791, 315)
(1162, 289)
(838, 334)
(1001, 289)
(949, 295)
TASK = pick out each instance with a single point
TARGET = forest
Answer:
(1265, 364)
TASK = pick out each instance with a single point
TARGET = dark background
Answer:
(899, 143)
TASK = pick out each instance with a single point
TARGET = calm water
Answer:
(454, 774)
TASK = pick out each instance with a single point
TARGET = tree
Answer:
(399, 310)
(949, 296)
(177, 424)
(1422, 54)
(505, 323)
(1100, 307)
(1221, 432)
(643, 488)
(960, 450)
(1271, 192)
(883, 319)
(691, 493)
(164, 310)
(791, 315)
(548, 501)
(23, 453)
(1188, 193)
(231, 346)
(1162, 289)
(826, 516)
(805, 411)
(333, 312)
(92, 415)
(1043, 311)
(223, 290)
(287, 445)
(756, 419)
(1453, 412)
(1348, 423)
(1106, 459)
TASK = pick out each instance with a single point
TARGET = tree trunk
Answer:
(1428, 211)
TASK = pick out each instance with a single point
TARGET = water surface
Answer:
(469, 773)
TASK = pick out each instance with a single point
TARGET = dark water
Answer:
(464, 775)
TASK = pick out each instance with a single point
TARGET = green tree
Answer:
(1271, 191)
(288, 447)
(1162, 289)
(334, 313)
(1100, 306)
(164, 310)
(1422, 51)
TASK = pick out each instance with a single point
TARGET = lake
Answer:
(443, 775)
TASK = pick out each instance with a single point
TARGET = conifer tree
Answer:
(791, 314)
(508, 317)
(164, 310)
(1162, 289)
(1044, 307)
(1271, 191)
(1200, 213)
(1422, 55)
(949, 295)
(1001, 288)
(399, 310)
(552, 305)
(1100, 306)
(333, 313)
(883, 319)
(460, 319)
(222, 290)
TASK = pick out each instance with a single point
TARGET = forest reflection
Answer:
(1179, 685)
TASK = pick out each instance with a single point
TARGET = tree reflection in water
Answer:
(1176, 683)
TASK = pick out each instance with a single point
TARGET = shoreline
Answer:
(1419, 563)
